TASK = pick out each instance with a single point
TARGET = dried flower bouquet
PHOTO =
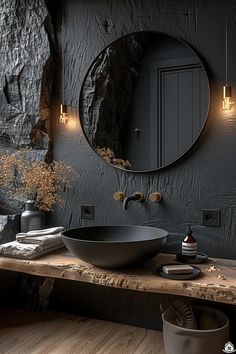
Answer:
(23, 178)
(108, 155)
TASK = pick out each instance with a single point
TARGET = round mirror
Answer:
(144, 101)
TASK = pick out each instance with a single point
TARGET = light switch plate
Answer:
(211, 217)
(87, 212)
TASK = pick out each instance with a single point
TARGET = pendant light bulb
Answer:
(63, 107)
(227, 98)
(227, 101)
(63, 114)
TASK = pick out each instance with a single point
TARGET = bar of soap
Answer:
(177, 269)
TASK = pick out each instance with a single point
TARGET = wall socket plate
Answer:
(211, 217)
(87, 212)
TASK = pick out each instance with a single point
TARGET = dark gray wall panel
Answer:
(205, 177)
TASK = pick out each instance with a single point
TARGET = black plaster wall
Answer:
(205, 177)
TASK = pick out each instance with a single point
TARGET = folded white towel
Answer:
(26, 251)
(33, 244)
(42, 237)
(50, 231)
(41, 240)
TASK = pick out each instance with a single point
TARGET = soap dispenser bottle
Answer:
(189, 245)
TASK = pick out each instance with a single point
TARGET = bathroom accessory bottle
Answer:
(189, 245)
(32, 218)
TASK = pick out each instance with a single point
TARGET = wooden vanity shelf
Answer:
(218, 285)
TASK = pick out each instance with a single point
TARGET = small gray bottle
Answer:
(32, 218)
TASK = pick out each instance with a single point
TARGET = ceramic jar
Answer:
(211, 336)
(32, 218)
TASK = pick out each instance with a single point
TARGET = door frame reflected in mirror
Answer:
(93, 114)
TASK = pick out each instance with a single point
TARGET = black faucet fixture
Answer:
(138, 196)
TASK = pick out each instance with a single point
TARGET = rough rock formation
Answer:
(107, 91)
(24, 79)
(25, 89)
(9, 227)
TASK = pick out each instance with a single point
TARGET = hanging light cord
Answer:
(62, 55)
(226, 46)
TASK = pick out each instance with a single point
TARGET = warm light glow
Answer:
(63, 114)
(227, 102)
(73, 122)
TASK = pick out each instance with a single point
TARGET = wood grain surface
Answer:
(60, 333)
(218, 285)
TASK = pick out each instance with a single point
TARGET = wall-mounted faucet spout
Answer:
(138, 196)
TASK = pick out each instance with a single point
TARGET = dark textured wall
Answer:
(24, 80)
(26, 76)
(205, 177)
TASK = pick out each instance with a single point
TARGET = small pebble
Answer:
(212, 269)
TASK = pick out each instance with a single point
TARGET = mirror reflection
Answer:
(144, 101)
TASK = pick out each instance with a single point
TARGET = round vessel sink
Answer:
(115, 246)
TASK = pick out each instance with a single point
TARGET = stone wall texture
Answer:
(24, 79)
(25, 89)
(202, 179)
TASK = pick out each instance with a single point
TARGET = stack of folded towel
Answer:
(33, 244)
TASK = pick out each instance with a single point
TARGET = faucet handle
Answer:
(139, 196)
(119, 196)
(155, 197)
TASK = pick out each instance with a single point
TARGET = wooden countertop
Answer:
(61, 264)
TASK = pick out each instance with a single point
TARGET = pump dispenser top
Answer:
(189, 245)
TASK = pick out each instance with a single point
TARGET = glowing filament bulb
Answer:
(227, 102)
(63, 114)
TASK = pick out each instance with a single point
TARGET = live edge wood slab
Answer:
(61, 264)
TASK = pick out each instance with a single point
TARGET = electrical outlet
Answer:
(211, 217)
(87, 212)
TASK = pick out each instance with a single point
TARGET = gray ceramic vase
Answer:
(32, 218)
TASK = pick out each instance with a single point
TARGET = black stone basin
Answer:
(115, 246)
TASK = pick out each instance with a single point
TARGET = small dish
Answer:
(200, 258)
(196, 272)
